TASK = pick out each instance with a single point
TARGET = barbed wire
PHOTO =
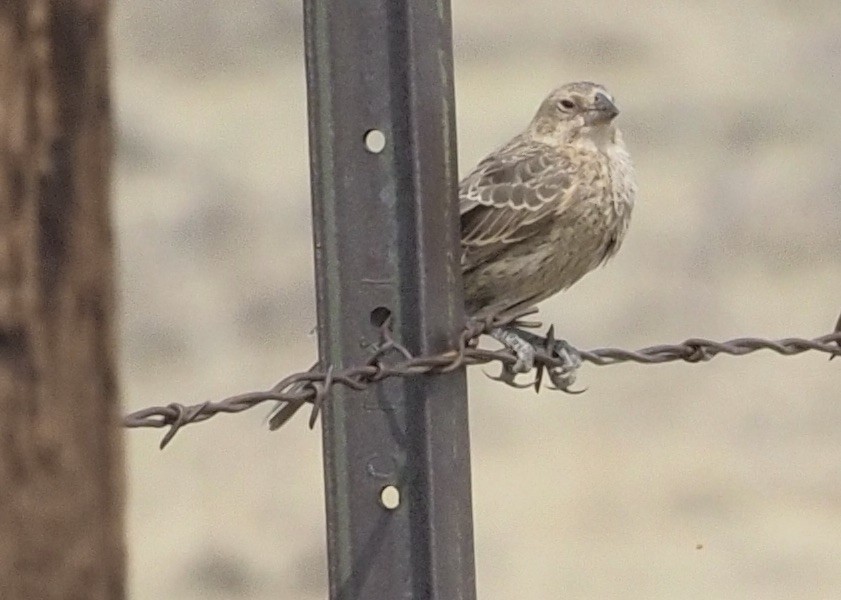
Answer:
(314, 385)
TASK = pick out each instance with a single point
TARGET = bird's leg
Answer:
(511, 338)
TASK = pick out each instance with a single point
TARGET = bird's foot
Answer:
(524, 352)
(524, 344)
(563, 375)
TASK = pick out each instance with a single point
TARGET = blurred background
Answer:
(715, 480)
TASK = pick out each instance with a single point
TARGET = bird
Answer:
(545, 209)
(550, 205)
(540, 212)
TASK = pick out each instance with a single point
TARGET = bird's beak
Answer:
(604, 110)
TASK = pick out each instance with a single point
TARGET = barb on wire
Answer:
(314, 385)
(837, 330)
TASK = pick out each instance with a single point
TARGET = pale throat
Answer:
(601, 138)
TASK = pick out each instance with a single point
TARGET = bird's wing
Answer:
(509, 195)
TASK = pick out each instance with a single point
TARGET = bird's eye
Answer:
(568, 104)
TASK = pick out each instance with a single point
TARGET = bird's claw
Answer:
(508, 376)
(563, 380)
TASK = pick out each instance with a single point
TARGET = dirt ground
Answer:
(714, 480)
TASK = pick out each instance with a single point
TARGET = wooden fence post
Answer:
(61, 461)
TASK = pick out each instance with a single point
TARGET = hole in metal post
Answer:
(390, 497)
(374, 141)
(379, 316)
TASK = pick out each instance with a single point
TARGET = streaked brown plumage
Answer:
(542, 211)
(549, 206)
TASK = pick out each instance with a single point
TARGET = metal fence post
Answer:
(387, 240)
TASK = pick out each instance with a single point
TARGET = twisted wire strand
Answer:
(314, 385)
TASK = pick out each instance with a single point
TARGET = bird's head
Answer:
(574, 109)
